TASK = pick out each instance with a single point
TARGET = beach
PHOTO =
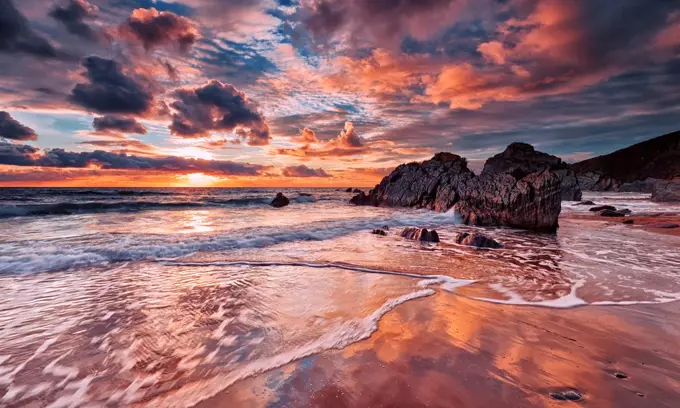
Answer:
(211, 297)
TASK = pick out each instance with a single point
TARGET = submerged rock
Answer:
(420, 234)
(280, 201)
(603, 207)
(611, 213)
(496, 197)
(628, 222)
(305, 195)
(357, 191)
(585, 203)
(477, 240)
(379, 232)
(349, 190)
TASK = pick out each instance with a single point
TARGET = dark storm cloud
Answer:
(217, 107)
(12, 129)
(23, 155)
(17, 36)
(110, 90)
(74, 15)
(118, 124)
(304, 171)
(154, 28)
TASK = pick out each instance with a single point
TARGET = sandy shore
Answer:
(452, 351)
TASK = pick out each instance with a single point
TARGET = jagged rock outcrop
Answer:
(433, 184)
(666, 191)
(477, 240)
(280, 201)
(520, 159)
(636, 168)
(420, 234)
(515, 199)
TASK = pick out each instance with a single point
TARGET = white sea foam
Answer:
(31, 257)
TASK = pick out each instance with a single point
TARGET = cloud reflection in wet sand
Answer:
(449, 351)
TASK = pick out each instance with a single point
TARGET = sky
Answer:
(322, 92)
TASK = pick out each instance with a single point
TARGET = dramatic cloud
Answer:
(303, 171)
(73, 16)
(218, 107)
(110, 90)
(118, 124)
(23, 155)
(411, 78)
(11, 129)
(155, 28)
(347, 143)
(16, 35)
(306, 136)
(378, 22)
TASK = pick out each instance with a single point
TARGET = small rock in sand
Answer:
(476, 240)
(420, 234)
(629, 222)
(665, 225)
(621, 376)
(280, 201)
(603, 207)
(379, 232)
(566, 396)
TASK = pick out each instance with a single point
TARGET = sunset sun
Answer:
(199, 179)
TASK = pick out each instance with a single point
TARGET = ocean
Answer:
(169, 297)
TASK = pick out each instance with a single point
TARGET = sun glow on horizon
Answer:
(199, 179)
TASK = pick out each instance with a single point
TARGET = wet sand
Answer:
(648, 222)
(451, 351)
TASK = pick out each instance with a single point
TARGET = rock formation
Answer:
(520, 159)
(666, 191)
(636, 168)
(280, 201)
(496, 197)
(379, 232)
(477, 240)
(420, 234)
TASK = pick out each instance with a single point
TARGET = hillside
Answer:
(657, 158)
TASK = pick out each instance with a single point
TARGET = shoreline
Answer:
(449, 350)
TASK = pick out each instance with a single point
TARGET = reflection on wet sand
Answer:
(450, 351)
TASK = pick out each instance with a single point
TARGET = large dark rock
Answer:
(280, 201)
(666, 191)
(433, 184)
(476, 240)
(528, 201)
(634, 169)
(521, 159)
(420, 234)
